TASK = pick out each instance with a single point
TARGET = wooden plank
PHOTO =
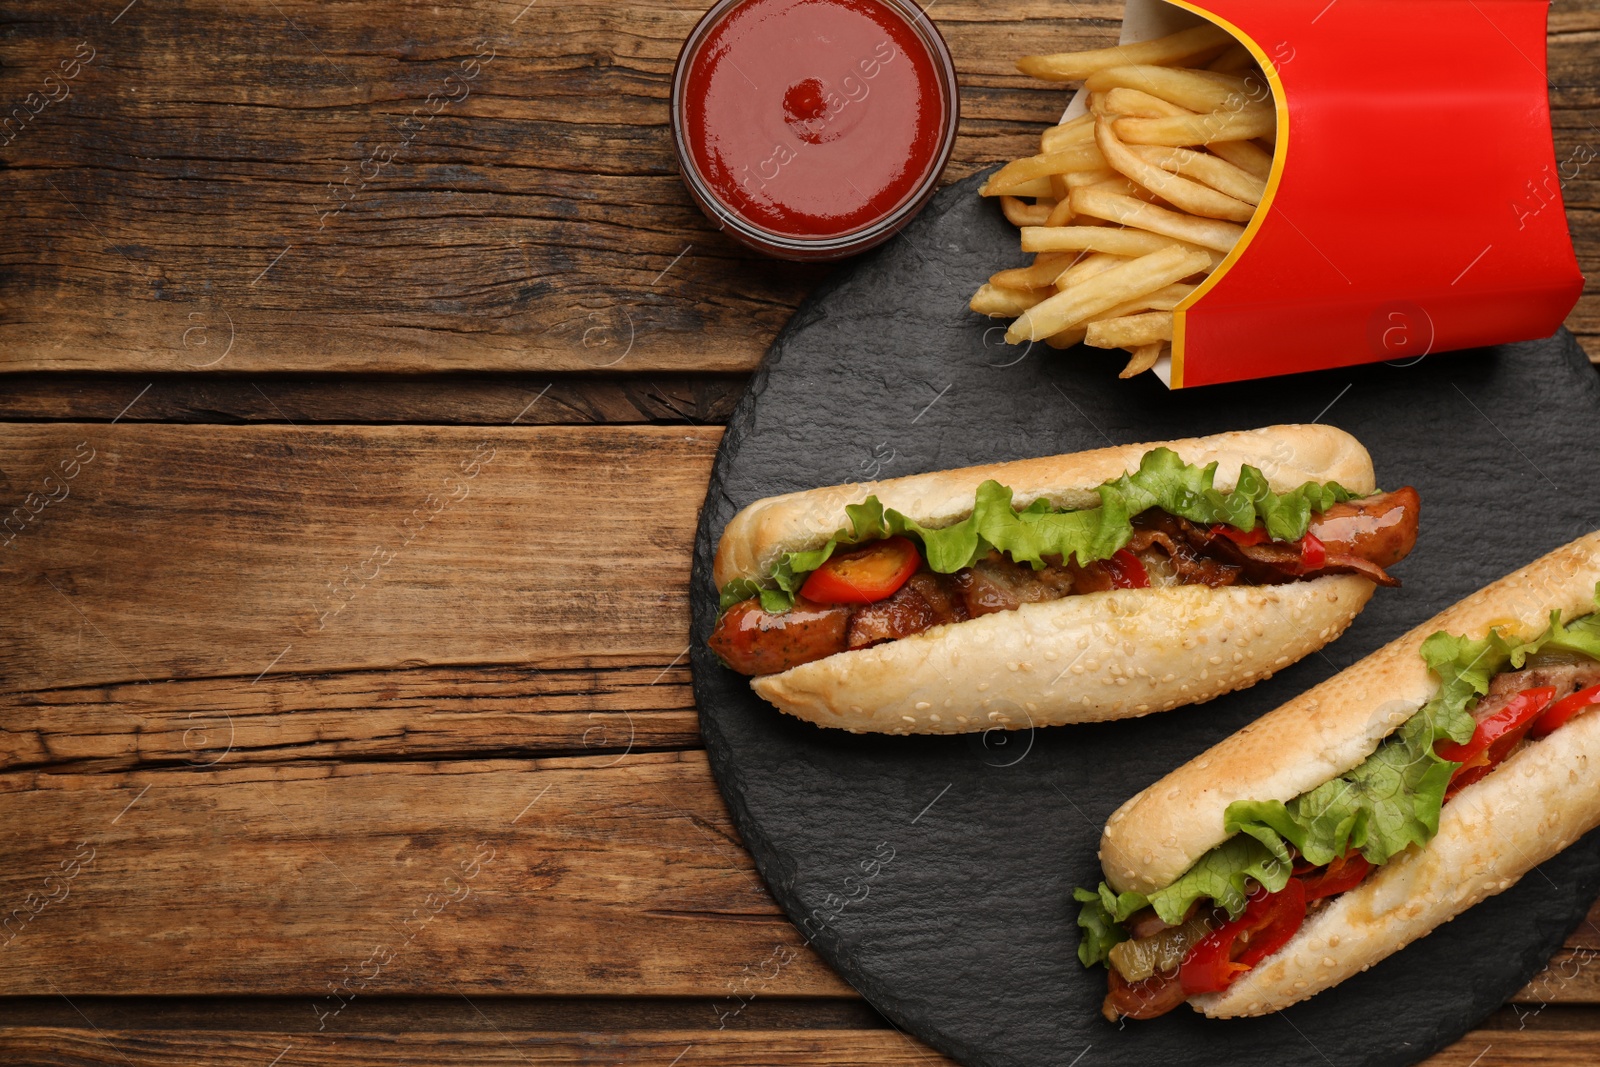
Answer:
(480, 400)
(1571, 977)
(1512, 1048)
(172, 622)
(608, 875)
(410, 713)
(209, 196)
(454, 1013)
(1573, 974)
(692, 1048)
(187, 552)
(576, 877)
(700, 1048)
(484, 400)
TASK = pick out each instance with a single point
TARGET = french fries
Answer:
(1134, 103)
(1022, 214)
(1217, 173)
(1079, 131)
(1061, 214)
(1144, 357)
(1091, 264)
(1044, 272)
(1130, 331)
(999, 302)
(1080, 303)
(1137, 200)
(1178, 191)
(1200, 43)
(1070, 160)
(1244, 155)
(1036, 187)
(1193, 90)
(1235, 60)
(1109, 239)
(1181, 130)
(1115, 207)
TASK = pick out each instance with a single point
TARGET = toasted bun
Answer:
(1288, 455)
(1163, 830)
(1083, 658)
(1490, 834)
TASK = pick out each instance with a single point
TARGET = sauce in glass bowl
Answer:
(813, 129)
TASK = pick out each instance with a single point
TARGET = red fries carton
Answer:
(1414, 203)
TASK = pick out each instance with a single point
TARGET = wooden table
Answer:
(343, 701)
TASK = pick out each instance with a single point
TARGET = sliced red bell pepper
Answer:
(1494, 738)
(1127, 571)
(1563, 711)
(1313, 553)
(1521, 708)
(1342, 875)
(864, 575)
(1268, 922)
(1287, 913)
(1253, 536)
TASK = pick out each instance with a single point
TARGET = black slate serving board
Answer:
(935, 874)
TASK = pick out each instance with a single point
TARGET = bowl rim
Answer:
(832, 246)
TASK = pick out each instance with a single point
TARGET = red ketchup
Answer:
(812, 129)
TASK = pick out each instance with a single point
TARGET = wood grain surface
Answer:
(824, 1048)
(608, 875)
(261, 737)
(344, 714)
(71, 1046)
(179, 552)
(271, 188)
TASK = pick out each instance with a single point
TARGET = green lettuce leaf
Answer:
(1381, 807)
(1101, 929)
(1389, 802)
(1223, 875)
(1583, 636)
(1038, 531)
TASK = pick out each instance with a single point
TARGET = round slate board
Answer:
(935, 874)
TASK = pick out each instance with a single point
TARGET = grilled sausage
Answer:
(754, 641)
(1380, 529)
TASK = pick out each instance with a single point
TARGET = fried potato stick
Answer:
(1180, 192)
(1126, 281)
(1189, 46)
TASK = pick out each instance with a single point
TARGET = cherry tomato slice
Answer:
(864, 575)
(1127, 571)
(1268, 922)
(1563, 711)
(1342, 875)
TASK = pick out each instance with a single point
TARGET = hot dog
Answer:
(1099, 585)
(1364, 813)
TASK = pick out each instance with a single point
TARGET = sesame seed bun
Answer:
(1532, 806)
(1083, 658)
